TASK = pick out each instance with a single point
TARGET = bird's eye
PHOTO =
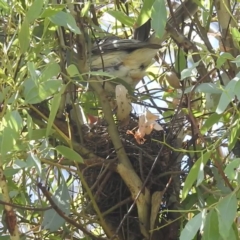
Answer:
(142, 67)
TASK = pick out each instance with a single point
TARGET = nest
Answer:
(108, 187)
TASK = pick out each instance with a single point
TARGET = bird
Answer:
(125, 59)
(128, 59)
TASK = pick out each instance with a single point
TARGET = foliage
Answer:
(55, 129)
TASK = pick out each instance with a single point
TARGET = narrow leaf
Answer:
(227, 211)
(213, 119)
(51, 220)
(54, 109)
(211, 231)
(232, 169)
(227, 95)
(145, 13)
(193, 174)
(191, 227)
(159, 23)
(24, 36)
(35, 10)
(69, 153)
(66, 20)
(122, 18)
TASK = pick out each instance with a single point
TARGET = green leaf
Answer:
(211, 231)
(51, 70)
(236, 37)
(14, 121)
(52, 10)
(223, 58)
(213, 119)
(4, 5)
(7, 141)
(232, 169)
(35, 93)
(10, 171)
(122, 17)
(72, 70)
(193, 174)
(227, 95)
(33, 160)
(35, 10)
(54, 109)
(237, 61)
(24, 36)
(11, 127)
(205, 88)
(69, 153)
(51, 220)
(29, 126)
(145, 13)
(237, 90)
(32, 70)
(234, 135)
(48, 88)
(181, 62)
(191, 227)
(227, 211)
(65, 20)
(86, 8)
(188, 71)
(39, 134)
(159, 23)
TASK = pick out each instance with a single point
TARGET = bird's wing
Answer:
(113, 44)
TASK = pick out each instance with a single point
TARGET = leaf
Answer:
(191, 227)
(51, 220)
(232, 169)
(205, 88)
(193, 174)
(35, 93)
(65, 20)
(237, 60)
(85, 9)
(180, 64)
(32, 70)
(39, 134)
(227, 211)
(122, 17)
(237, 90)
(145, 13)
(35, 10)
(72, 70)
(227, 95)
(69, 153)
(11, 127)
(52, 10)
(29, 126)
(24, 36)
(51, 70)
(213, 119)
(14, 121)
(7, 141)
(4, 5)
(223, 58)
(211, 231)
(188, 71)
(54, 109)
(234, 135)
(159, 23)
(33, 160)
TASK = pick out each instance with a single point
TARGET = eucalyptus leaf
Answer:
(65, 20)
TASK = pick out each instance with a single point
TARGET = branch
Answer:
(124, 167)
